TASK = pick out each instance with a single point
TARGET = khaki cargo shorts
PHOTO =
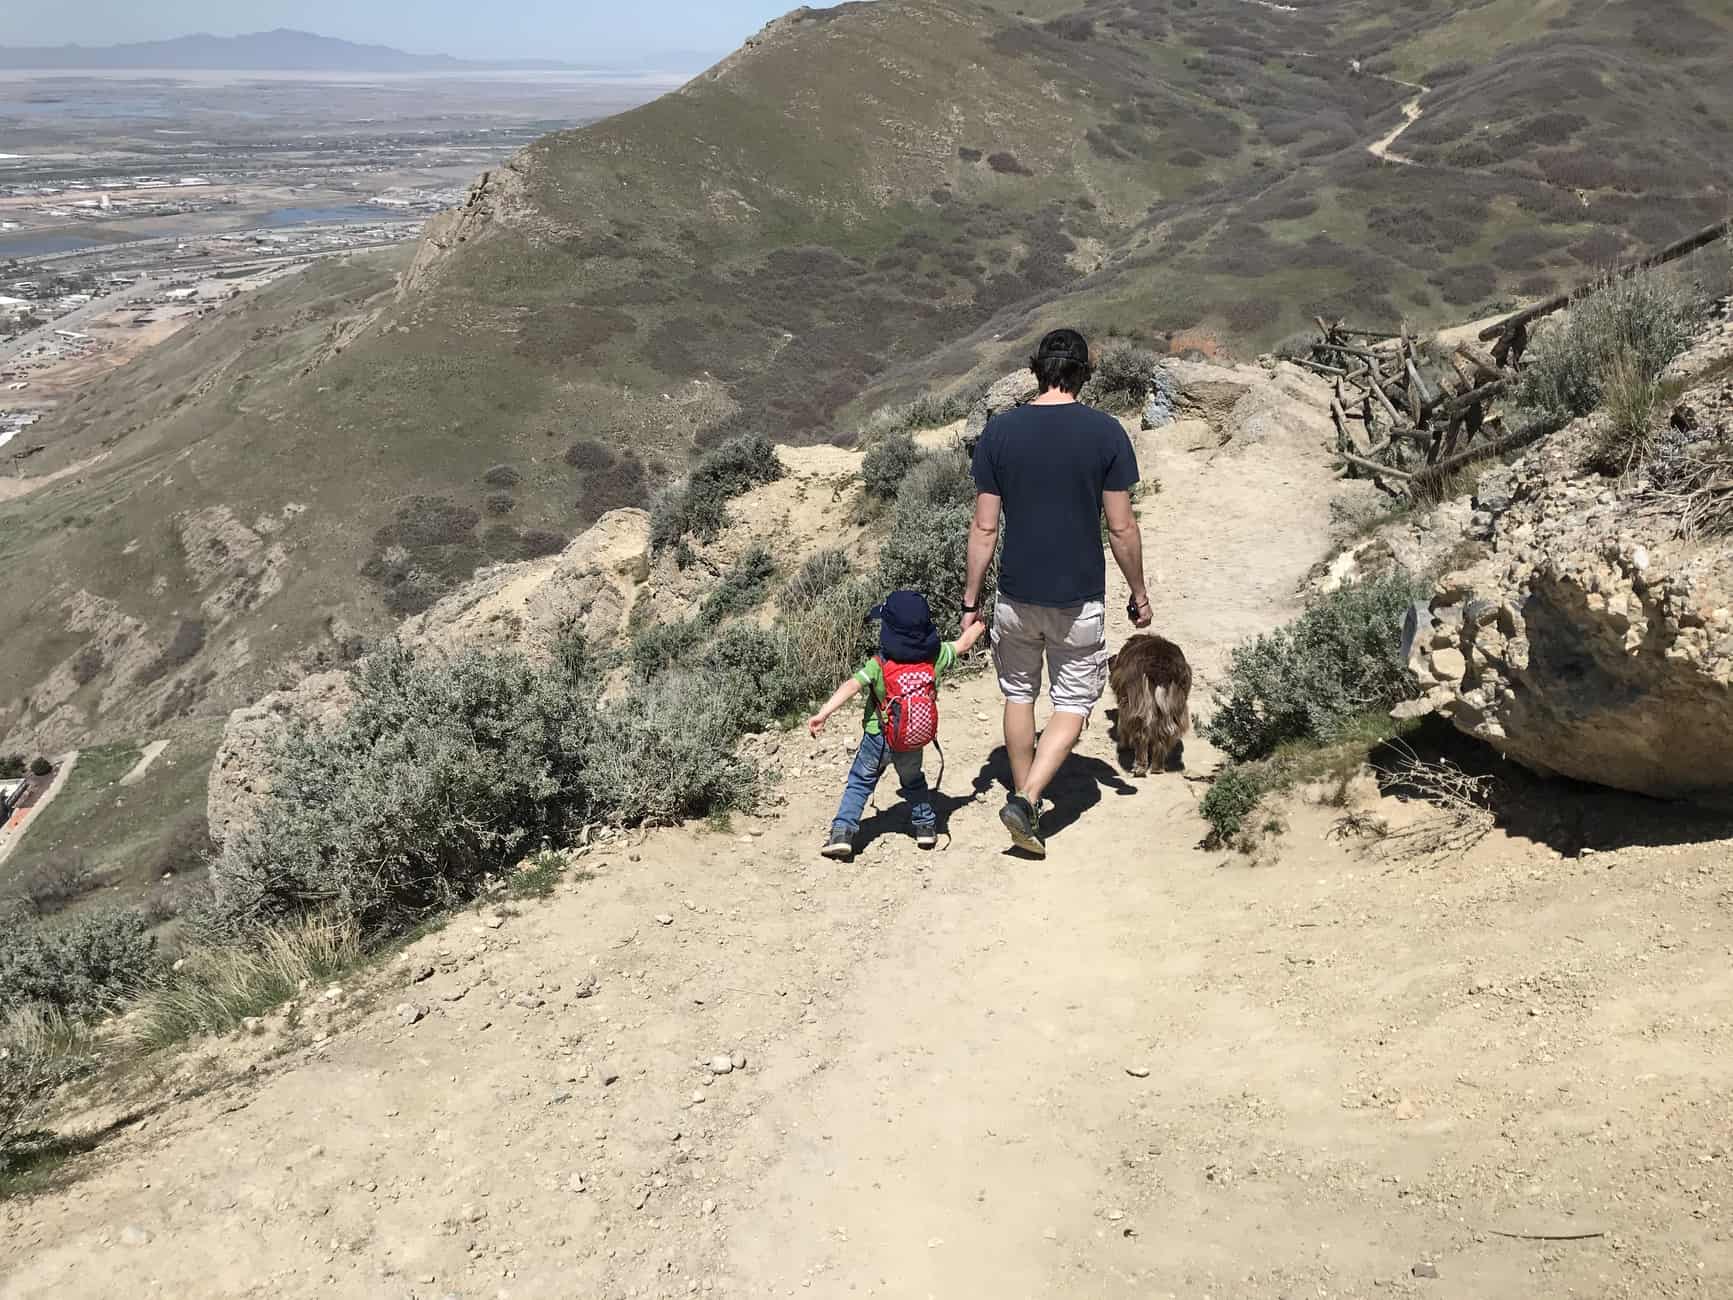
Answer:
(1073, 643)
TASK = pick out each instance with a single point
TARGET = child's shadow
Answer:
(894, 818)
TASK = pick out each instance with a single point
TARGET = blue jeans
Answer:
(863, 778)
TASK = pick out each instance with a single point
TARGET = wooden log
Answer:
(1320, 367)
(1671, 253)
(1384, 400)
(1360, 462)
(1419, 383)
(1481, 361)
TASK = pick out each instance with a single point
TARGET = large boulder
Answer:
(241, 772)
(1592, 643)
(1014, 389)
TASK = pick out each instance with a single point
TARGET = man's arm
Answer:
(1126, 539)
(983, 541)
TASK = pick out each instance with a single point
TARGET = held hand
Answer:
(969, 621)
(1145, 614)
(815, 725)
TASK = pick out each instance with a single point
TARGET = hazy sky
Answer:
(574, 30)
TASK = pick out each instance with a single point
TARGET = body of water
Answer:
(356, 212)
(27, 243)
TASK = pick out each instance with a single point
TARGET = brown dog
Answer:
(1152, 682)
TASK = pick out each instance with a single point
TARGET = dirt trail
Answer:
(1383, 147)
(1357, 1074)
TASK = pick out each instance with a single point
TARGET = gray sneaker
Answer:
(1023, 820)
(839, 847)
(926, 835)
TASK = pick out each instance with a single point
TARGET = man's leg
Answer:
(1017, 656)
(1077, 674)
(1020, 741)
(1058, 739)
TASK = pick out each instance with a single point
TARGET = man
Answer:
(1050, 468)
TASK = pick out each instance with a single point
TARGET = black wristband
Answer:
(971, 609)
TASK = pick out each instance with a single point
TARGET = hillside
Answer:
(710, 1063)
(863, 203)
(282, 50)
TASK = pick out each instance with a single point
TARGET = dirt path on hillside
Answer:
(1135, 1070)
(1383, 148)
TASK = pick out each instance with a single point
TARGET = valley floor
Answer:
(1134, 1070)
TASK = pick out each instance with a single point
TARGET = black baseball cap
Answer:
(1067, 343)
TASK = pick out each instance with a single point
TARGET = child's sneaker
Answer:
(839, 847)
(926, 835)
(1023, 820)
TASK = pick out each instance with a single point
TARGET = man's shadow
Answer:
(1074, 791)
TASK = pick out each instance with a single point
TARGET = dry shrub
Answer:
(1463, 816)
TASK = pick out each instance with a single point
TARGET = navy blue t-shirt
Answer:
(1049, 466)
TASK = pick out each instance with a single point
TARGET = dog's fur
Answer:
(1152, 682)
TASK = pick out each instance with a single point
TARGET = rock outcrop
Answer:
(1592, 643)
(590, 585)
(241, 772)
(1012, 390)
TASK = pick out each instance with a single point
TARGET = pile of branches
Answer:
(1410, 419)
(1398, 411)
(1690, 477)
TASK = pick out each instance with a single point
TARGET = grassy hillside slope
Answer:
(863, 202)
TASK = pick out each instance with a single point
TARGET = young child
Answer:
(901, 716)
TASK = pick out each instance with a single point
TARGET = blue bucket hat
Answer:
(906, 631)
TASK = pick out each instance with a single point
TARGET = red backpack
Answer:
(909, 709)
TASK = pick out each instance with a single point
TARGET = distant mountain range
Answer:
(282, 50)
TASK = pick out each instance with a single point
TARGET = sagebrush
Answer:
(927, 545)
(821, 573)
(743, 587)
(698, 503)
(78, 967)
(1309, 679)
(1124, 377)
(1639, 323)
(886, 464)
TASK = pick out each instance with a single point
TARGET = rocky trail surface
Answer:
(715, 1064)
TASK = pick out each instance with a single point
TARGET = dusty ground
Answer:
(1134, 1070)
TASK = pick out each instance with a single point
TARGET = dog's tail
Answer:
(1173, 707)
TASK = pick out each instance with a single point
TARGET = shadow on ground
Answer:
(1570, 817)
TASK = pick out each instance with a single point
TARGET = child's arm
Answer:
(844, 693)
(971, 634)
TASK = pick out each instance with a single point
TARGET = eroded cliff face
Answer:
(1595, 642)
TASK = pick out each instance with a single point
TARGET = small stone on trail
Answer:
(420, 973)
(710, 1207)
(1424, 1270)
(408, 1013)
(469, 1213)
(1114, 1216)
(587, 986)
(739, 1059)
(610, 1075)
(529, 1002)
(721, 1065)
(642, 1196)
(134, 1236)
(575, 1183)
(560, 1097)
(1137, 1071)
(493, 922)
(697, 1096)
(663, 918)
